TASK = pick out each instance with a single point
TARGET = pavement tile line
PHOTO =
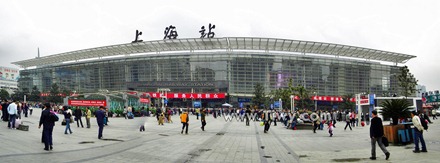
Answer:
(285, 146)
(260, 145)
(206, 145)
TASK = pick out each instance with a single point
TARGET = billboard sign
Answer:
(87, 103)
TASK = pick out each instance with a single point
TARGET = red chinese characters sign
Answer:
(327, 98)
(144, 100)
(188, 95)
(87, 103)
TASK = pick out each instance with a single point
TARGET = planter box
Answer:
(390, 131)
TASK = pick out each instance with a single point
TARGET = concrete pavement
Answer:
(220, 142)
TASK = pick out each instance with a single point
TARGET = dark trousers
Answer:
(373, 146)
(101, 128)
(315, 126)
(247, 121)
(275, 122)
(11, 123)
(266, 126)
(185, 125)
(348, 124)
(47, 136)
(78, 120)
(418, 135)
(203, 124)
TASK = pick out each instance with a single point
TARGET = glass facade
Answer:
(232, 72)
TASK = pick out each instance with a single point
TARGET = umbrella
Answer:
(227, 105)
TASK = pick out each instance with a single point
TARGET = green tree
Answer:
(4, 94)
(304, 95)
(54, 94)
(347, 104)
(395, 108)
(260, 96)
(407, 82)
(35, 94)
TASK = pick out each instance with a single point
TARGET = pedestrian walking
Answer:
(67, 117)
(267, 120)
(434, 114)
(348, 120)
(88, 116)
(184, 119)
(330, 128)
(47, 119)
(418, 133)
(202, 119)
(100, 115)
(78, 115)
(376, 134)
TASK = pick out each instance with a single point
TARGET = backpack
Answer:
(53, 117)
(424, 124)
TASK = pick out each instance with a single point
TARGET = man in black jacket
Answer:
(78, 114)
(47, 119)
(376, 134)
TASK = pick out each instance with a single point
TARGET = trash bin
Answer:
(403, 136)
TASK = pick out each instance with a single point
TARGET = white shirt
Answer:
(12, 108)
(417, 123)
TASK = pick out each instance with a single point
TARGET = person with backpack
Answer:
(47, 119)
(418, 132)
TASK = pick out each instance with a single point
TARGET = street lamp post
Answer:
(292, 103)
(316, 102)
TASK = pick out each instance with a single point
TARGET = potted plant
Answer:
(395, 109)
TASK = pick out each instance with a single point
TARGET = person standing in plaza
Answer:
(88, 116)
(67, 117)
(100, 115)
(376, 134)
(418, 133)
(434, 116)
(78, 115)
(184, 119)
(203, 119)
(47, 119)
(348, 120)
(247, 115)
(12, 111)
(5, 115)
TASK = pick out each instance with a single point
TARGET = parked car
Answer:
(437, 111)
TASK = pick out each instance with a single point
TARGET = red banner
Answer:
(170, 95)
(87, 103)
(327, 98)
(145, 100)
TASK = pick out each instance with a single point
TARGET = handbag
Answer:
(63, 123)
(385, 141)
(71, 119)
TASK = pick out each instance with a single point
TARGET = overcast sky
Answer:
(57, 26)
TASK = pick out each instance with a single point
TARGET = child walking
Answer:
(330, 128)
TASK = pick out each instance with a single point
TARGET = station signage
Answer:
(187, 95)
(87, 103)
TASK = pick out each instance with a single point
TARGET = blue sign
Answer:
(197, 104)
(241, 105)
(244, 100)
(276, 104)
(165, 101)
(271, 106)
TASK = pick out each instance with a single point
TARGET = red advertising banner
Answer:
(327, 98)
(145, 100)
(87, 103)
(170, 95)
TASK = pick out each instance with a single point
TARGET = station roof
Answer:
(225, 43)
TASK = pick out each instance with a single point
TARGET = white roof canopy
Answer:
(226, 43)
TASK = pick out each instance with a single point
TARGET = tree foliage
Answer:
(4, 94)
(407, 82)
(347, 104)
(35, 94)
(259, 95)
(54, 94)
(395, 108)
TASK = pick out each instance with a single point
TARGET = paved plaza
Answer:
(220, 142)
